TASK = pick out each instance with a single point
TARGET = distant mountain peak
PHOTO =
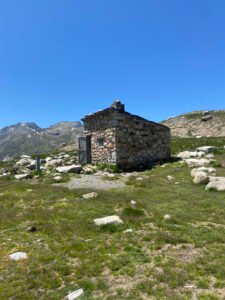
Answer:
(29, 138)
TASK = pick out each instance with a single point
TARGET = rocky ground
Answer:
(198, 124)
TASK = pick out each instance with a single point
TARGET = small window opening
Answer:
(101, 142)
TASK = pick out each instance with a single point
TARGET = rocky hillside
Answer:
(29, 138)
(198, 123)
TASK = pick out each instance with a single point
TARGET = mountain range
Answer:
(29, 138)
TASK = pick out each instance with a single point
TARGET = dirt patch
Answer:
(92, 182)
(184, 252)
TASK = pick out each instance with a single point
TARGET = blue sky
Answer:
(61, 59)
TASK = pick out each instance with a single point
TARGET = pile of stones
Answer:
(202, 173)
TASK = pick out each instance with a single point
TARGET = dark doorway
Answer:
(85, 149)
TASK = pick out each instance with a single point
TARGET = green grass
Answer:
(191, 143)
(155, 261)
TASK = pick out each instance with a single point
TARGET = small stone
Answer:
(31, 229)
(133, 202)
(139, 178)
(189, 286)
(128, 230)
(167, 217)
(108, 220)
(210, 156)
(75, 294)
(170, 178)
(69, 169)
(22, 176)
(57, 178)
(90, 195)
(18, 256)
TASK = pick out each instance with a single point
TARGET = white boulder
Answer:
(90, 195)
(18, 256)
(69, 169)
(216, 185)
(206, 149)
(22, 176)
(53, 162)
(187, 154)
(74, 295)
(201, 177)
(195, 171)
(200, 162)
(108, 220)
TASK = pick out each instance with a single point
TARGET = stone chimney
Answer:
(118, 105)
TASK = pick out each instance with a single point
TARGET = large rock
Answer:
(201, 178)
(54, 162)
(216, 185)
(18, 256)
(69, 169)
(195, 162)
(90, 195)
(207, 149)
(206, 118)
(74, 295)
(216, 178)
(24, 161)
(108, 220)
(22, 176)
(195, 171)
(187, 154)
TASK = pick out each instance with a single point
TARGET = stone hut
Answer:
(115, 136)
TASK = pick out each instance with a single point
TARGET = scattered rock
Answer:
(75, 294)
(170, 178)
(210, 156)
(195, 171)
(206, 118)
(133, 202)
(167, 217)
(187, 154)
(108, 220)
(57, 178)
(31, 229)
(25, 156)
(22, 176)
(194, 162)
(90, 195)
(18, 256)
(201, 178)
(207, 149)
(216, 185)
(128, 231)
(53, 162)
(223, 164)
(48, 159)
(139, 178)
(69, 169)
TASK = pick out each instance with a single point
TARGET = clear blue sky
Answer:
(61, 59)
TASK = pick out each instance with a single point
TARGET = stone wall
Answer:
(107, 152)
(140, 142)
(128, 140)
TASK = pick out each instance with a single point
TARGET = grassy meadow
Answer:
(181, 257)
